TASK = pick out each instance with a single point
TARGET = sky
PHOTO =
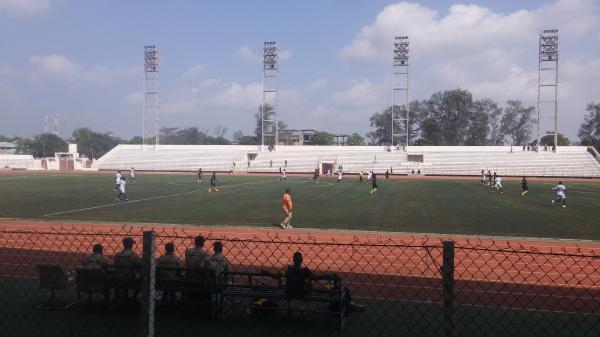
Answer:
(84, 59)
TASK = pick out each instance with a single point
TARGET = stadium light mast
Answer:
(547, 108)
(400, 106)
(270, 96)
(45, 122)
(56, 123)
(151, 92)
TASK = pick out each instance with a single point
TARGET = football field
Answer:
(447, 206)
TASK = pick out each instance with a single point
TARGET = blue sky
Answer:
(83, 59)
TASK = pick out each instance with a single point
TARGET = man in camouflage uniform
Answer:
(171, 261)
(126, 276)
(96, 259)
(196, 258)
(218, 262)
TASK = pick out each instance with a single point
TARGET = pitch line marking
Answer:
(139, 200)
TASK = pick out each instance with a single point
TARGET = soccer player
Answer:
(560, 190)
(482, 177)
(328, 173)
(286, 200)
(387, 175)
(369, 176)
(122, 196)
(316, 175)
(374, 186)
(213, 183)
(497, 184)
(360, 176)
(339, 178)
(199, 175)
(283, 176)
(117, 180)
(132, 175)
(489, 176)
(524, 187)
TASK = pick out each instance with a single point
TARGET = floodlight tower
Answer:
(56, 123)
(45, 122)
(270, 97)
(151, 92)
(400, 108)
(547, 108)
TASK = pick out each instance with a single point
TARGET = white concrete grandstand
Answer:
(568, 161)
(16, 162)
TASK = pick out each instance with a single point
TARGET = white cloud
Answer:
(24, 7)
(59, 67)
(360, 94)
(193, 72)
(285, 55)
(134, 98)
(246, 53)
(316, 84)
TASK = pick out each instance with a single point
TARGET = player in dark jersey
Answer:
(213, 183)
(489, 176)
(374, 186)
(524, 187)
(387, 175)
(316, 175)
(199, 175)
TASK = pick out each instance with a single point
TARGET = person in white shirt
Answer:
(122, 196)
(369, 176)
(117, 180)
(339, 178)
(283, 175)
(560, 190)
(132, 175)
(498, 185)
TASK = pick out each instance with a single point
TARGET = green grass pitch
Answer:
(400, 205)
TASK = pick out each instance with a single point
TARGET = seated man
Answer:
(168, 260)
(126, 264)
(297, 276)
(96, 259)
(196, 257)
(219, 263)
(171, 262)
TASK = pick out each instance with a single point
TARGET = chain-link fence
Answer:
(52, 285)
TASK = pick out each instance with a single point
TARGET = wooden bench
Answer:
(248, 288)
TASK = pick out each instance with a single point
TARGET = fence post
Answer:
(448, 288)
(148, 278)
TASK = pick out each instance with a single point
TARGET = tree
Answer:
(381, 121)
(269, 113)
(589, 131)
(449, 115)
(135, 140)
(93, 144)
(356, 139)
(321, 138)
(242, 139)
(496, 135)
(479, 124)
(3, 138)
(549, 140)
(47, 144)
(516, 122)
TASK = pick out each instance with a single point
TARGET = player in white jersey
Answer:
(122, 196)
(283, 175)
(560, 190)
(482, 177)
(369, 176)
(117, 180)
(498, 185)
(339, 178)
(132, 175)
